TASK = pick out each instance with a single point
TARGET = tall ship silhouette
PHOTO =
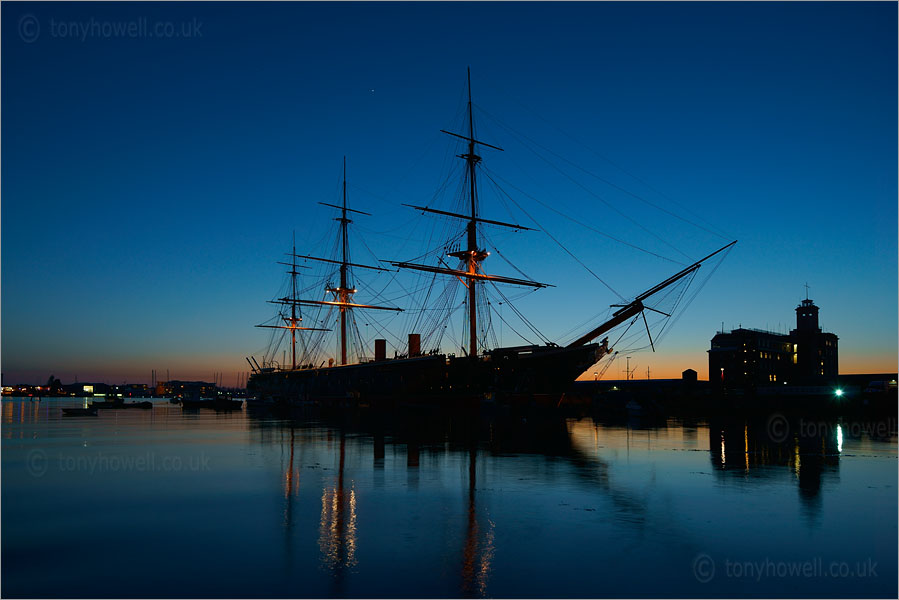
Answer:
(524, 374)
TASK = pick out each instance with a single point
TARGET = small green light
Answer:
(839, 393)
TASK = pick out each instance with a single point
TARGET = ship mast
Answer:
(472, 255)
(472, 159)
(294, 320)
(343, 292)
(293, 307)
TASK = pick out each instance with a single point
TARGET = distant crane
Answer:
(629, 371)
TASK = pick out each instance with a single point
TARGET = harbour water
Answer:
(174, 503)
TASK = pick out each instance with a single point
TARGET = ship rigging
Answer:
(342, 294)
(483, 368)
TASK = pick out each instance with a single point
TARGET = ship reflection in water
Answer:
(337, 531)
(437, 505)
(478, 546)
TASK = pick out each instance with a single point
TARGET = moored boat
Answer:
(145, 404)
(79, 412)
(119, 403)
(214, 403)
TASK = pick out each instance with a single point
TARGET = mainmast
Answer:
(472, 255)
(472, 160)
(343, 292)
(293, 307)
(470, 273)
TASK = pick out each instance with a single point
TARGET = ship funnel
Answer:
(414, 344)
(380, 350)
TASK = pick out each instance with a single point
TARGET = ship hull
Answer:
(522, 375)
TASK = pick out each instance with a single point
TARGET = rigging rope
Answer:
(629, 174)
(567, 251)
(585, 188)
(487, 173)
(695, 294)
(518, 313)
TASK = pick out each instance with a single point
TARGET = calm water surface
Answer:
(172, 503)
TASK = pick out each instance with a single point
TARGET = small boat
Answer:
(109, 401)
(80, 412)
(216, 403)
(634, 408)
(105, 404)
(119, 403)
(144, 404)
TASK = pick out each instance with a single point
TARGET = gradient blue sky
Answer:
(148, 185)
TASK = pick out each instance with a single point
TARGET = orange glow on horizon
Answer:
(673, 366)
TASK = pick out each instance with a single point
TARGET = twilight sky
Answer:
(157, 159)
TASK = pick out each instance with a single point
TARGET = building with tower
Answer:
(747, 358)
(816, 351)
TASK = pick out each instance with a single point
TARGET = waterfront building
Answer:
(185, 389)
(748, 358)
